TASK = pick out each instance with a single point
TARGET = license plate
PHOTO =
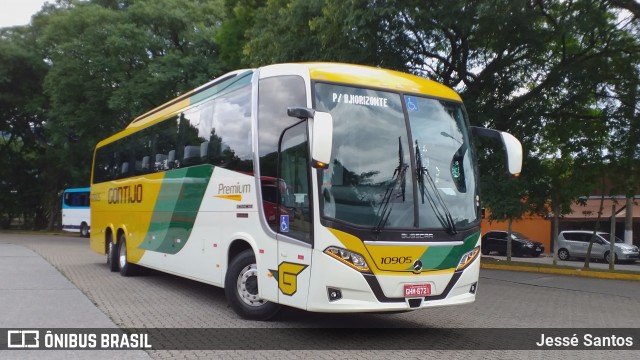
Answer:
(538, 249)
(418, 290)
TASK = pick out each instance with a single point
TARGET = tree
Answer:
(99, 64)
(23, 114)
(523, 66)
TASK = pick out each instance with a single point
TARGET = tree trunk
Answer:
(612, 238)
(628, 222)
(509, 240)
(556, 231)
(595, 229)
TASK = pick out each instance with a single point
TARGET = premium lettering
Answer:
(233, 189)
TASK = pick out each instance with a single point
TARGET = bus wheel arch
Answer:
(241, 284)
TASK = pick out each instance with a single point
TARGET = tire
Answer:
(241, 289)
(84, 230)
(126, 268)
(112, 255)
(563, 254)
(606, 257)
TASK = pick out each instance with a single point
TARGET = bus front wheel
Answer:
(241, 289)
(126, 268)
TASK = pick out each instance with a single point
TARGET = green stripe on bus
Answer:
(447, 257)
(176, 209)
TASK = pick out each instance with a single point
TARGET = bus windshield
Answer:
(398, 160)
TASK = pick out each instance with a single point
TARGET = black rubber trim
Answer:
(377, 290)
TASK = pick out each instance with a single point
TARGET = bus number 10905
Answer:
(396, 260)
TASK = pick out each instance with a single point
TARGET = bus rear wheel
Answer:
(84, 230)
(241, 289)
(112, 255)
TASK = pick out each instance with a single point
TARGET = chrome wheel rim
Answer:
(247, 286)
(109, 252)
(123, 255)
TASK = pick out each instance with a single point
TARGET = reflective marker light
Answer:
(468, 258)
(347, 257)
(320, 164)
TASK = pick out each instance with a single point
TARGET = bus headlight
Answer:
(349, 258)
(468, 258)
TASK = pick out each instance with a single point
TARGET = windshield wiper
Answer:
(433, 195)
(399, 177)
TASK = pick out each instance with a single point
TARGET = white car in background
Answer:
(574, 244)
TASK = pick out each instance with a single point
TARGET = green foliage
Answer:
(281, 33)
(562, 76)
(102, 63)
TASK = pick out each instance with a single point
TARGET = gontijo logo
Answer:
(130, 194)
(287, 276)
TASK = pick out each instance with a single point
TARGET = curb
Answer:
(569, 272)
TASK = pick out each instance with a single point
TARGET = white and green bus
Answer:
(322, 186)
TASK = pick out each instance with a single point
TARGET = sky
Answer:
(18, 12)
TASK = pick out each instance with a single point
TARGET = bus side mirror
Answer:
(511, 145)
(322, 134)
(322, 140)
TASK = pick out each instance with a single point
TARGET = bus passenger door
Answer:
(294, 230)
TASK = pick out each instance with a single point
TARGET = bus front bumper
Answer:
(339, 288)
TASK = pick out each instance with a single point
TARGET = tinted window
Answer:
(216, 132)
(275, 95)
(571, 236)
(498, 235)
(76, 199)
(578, 236)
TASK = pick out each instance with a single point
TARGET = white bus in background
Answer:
(76, 214)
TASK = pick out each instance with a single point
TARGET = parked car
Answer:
(495, 240)
(574, 243)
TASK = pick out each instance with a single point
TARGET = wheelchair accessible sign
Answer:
(284, 223)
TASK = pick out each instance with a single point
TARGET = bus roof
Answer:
(379, 78)
(359, 75)
(83, 189)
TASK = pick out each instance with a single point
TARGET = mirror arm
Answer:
(301, 112)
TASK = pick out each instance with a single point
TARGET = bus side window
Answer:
(293, 169)
(171, 160)
(276, 94)
(224, 125)
(191, 155)
(161, 162)
(145, 165)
